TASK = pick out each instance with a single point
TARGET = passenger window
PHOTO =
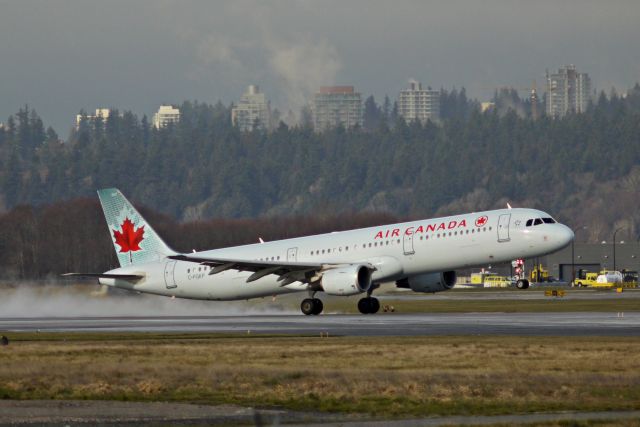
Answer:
(538, 221)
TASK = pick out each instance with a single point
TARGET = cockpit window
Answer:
(538, 221)
(529, 222)
(549, 220)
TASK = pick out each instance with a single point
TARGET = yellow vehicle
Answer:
(497, 282)
(603, 280)
(478, 278)
(490, 280)
(585, 278)
(539, 274)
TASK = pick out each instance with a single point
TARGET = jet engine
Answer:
(431, 282)
(350, 280)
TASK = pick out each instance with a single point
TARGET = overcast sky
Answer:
(63, 56)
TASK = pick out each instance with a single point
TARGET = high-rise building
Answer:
(253, 111)
(166, 114)
(567, 92)
(101, 113)
(419, 104)
(337, 105)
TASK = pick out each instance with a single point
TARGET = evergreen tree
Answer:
(372, 114)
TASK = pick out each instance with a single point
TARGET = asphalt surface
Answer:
(422, 324)
(114, 413)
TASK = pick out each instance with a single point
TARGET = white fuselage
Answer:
(397, 251)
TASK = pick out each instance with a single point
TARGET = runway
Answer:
(558, 324)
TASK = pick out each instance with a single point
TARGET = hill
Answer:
(583, 168)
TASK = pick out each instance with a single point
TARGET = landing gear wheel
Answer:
(522, 284)
(368, 305)
(311, 306)
(317, 306)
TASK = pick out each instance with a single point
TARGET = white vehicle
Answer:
(609, 277)
(419, 255)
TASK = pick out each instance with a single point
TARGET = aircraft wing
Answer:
(289, 272)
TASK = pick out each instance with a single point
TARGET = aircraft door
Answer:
(169, 277)
(292, 254)
(407, 244)
(503, 228)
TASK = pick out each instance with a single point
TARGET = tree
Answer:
(372, 114)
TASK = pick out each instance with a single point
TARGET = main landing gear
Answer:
(311, 306)
(369, 305)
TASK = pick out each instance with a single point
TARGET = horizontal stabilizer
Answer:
(131, 277)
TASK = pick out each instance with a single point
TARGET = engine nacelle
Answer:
(350, 280)
(431, 282)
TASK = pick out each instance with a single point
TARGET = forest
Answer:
(583, 168)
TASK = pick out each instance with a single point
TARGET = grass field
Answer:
(372, 375)
(550, 305)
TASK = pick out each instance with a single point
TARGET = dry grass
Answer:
(480, 305)
(384, 376)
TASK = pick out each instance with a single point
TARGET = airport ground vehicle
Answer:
(539, 274)
(585, 278)
(604, 280)
(629, 278)
(490, 280)
(497, 282)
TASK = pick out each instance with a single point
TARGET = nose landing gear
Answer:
(311, 306)
(368, 305)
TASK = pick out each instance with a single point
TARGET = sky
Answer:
(62, 56)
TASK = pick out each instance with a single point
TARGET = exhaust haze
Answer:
(28, 300)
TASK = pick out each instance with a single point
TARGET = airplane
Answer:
(418, 255)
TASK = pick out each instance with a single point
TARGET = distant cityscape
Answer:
(567, 92)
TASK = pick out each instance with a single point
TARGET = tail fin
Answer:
(133, 239)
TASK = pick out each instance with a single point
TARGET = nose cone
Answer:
(564, 235)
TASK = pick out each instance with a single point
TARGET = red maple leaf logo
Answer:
(129, 240)
(481, 221)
